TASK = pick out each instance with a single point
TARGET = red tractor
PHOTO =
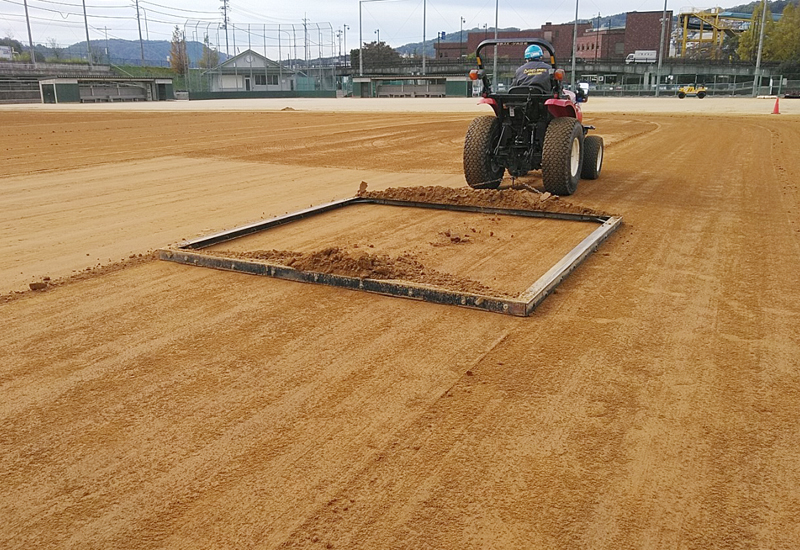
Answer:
(532, 128)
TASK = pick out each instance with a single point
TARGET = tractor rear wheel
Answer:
(592, 157)
(562, 156)
(481, 170)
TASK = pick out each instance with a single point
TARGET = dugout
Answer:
(105, 89)
(411, 86)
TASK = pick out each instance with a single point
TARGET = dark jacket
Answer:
(533, 73)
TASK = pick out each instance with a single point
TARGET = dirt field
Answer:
(652, 402)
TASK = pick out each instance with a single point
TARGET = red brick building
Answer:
(643, 30)
(558, 35)
(450, 50)
(602, 44)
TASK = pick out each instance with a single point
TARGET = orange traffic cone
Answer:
(776, 110)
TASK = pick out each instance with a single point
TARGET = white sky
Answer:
(399, 21)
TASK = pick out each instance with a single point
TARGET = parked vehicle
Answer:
(642, 56)
(692, 90)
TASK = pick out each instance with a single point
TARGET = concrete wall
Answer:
(254, 94)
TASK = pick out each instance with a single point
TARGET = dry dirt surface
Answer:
(653, 402)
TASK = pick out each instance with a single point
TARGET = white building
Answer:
(251, 72)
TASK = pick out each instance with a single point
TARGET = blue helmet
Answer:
(533, 52)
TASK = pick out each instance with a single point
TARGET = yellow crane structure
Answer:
(710, 26)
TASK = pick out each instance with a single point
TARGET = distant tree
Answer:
(748, 40)
(15, 45)
(55, 50)
(178, 59)
(729, 46)
(784, 41)
(376, 54)
(210, 57)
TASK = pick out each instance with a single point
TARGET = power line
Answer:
(176, 9)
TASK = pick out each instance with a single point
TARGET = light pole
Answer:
(361, 38)
(757, 76)
(424, 21)
(345, 27)
(574, 47)
(661, 47)
(494, 70)
(378, 32)
(461, 38)
(597, 40)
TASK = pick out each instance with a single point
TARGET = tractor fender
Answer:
(491, 102)
(563, 107)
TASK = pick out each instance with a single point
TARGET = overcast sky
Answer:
(399, 21)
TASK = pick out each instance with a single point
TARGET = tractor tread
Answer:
(592, 147)
(479, 169)
(556, 175)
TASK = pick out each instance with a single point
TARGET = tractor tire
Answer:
(592, 157)
(701, 95)
(681, 95)
(480, 169)
(562, 156)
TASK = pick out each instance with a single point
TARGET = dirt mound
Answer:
(518, 199)
(364, 265)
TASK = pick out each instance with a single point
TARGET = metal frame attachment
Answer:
(521, 306)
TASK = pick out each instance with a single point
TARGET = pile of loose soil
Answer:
(364, 265)
(519, 199)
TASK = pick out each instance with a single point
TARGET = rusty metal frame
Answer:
(522, 306)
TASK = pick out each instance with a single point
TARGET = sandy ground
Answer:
(652, 402)
(666, 104)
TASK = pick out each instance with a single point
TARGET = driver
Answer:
(534, 72)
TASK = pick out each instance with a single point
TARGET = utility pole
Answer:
(108, 51)
(360, 43)
(88, 44)
(378, 32)
(661, 48)
(573, 80)
(146, 28)
(225, 22)
(305, 40)
(424, 20)
(757, 75)
(345, 27)
(139, 24)
(597, 40)
(30, 36)
(494, 69)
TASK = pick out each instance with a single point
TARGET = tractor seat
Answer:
(525, 90)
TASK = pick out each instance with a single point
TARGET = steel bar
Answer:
(522, 306)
